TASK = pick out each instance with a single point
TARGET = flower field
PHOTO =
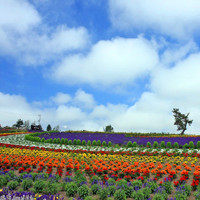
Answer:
(38, 171)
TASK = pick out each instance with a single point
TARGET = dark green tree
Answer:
(181, 120)
(49, 127)
(19, 123)
(109, 128)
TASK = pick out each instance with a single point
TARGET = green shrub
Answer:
(169, 145)
(110, 144)
(153, 186)
(176, 145)
(3, 181)
(54, 141)
(58, 141)
(185, 146)
(119, 195)
(52, 188)
(89, 143)
(74, 142)
(89, 198)
(136, 183)
(129, 144)
(69, 142)
(148, 144)
(95, 179)
(39, 185)
(51, 140)
(83, 191)
(62, 141)
(66, 141)
(188, 189)
(128, 191)
(117, 146)
(146, 191)
(83, 142)
(111, 190)
(111, 181)
(137, 195)
(103, 194)
(158, 196)
(71, 189)
(197, 195)
(198, 145)
(104, 143)
(94, 143)
(12, 185)
(134, 144)
(78, 142)
(43, 140)
(162, 144)
(99, 143)
(27, 183)
(191, 145)
(155, 144)
(95, 188)
(167, 185)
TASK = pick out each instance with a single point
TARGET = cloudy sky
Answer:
(87, 64)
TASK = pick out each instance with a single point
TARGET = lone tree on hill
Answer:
(109, 128)
(181, 120)
(49, 127)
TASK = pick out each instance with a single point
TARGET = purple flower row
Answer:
(118, 138)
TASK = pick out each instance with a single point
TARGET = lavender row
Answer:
(117, 138)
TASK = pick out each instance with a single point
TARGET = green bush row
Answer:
(168, 145)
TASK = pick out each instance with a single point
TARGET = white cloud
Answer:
(31, 42)
(83, 99)
(61, 98)
(112, 62)
(176, 18)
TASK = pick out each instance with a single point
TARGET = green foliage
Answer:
(51, 140)
(19, 123)
(153, 186)
(39, 185)
(95, 179)
(167, 185)
(74, 142)
(95, 188)
(70, 142)
(137, 183)
(181, 120)
(89, 143)
(129, 144)
(111, 181)
(43, 140)
(99, 143)
(62, 141)
(94, 143)
(109, 128)
(103, 194)
(83, 142)
(66, 141)
(176, 145)
(12, 185)
(191, 145)
(111, 190)
(54, 141)
(58, 141)
(148, 144)
(104, 143)
(185, 146)
(89, 198)
(71, 189)
(197, 195)
(27, 183)
(119, 195)
(135, 144)
(162, 144)
(83, 191)
(169, 145)
(137, 195)
(78, 142)
(3, 181)
(155, 144)
(49, 127)
(158, 196)
(198, 145)
(110, 144)
(52, 188)
(146, 191)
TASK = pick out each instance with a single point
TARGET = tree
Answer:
(19, 123)
(49, 127)
(56, 128)
(27, 124)
(109, 128)
(181, 120)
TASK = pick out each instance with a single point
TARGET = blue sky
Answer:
(83, 65)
